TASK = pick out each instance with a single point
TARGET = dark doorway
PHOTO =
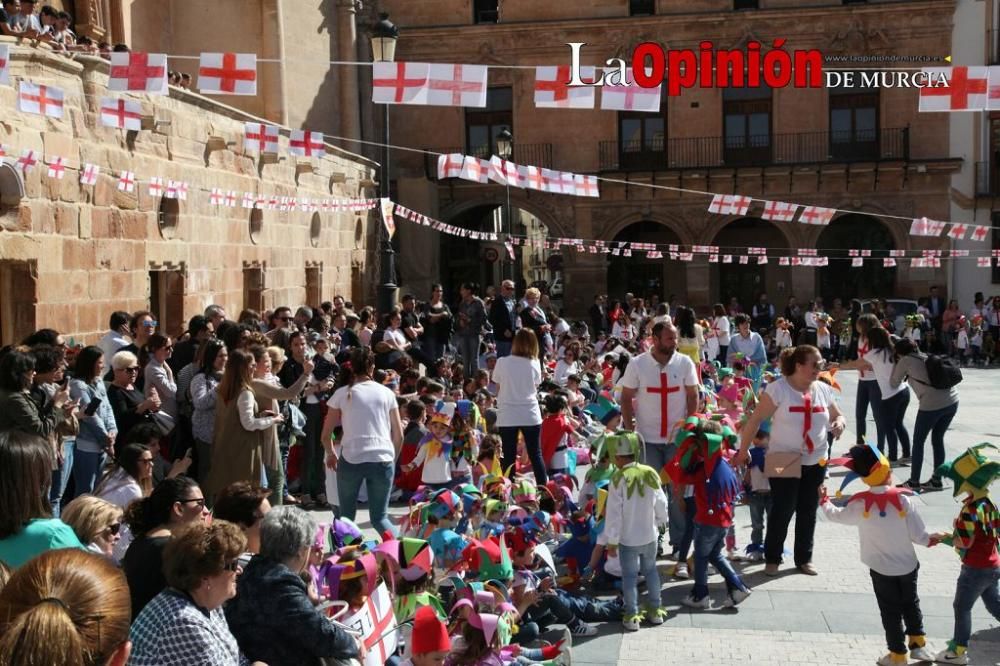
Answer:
(640, 275)
(747, 281)
(840, 279)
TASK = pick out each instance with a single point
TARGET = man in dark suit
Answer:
(503, 318)
(598, 317)
(936, 306)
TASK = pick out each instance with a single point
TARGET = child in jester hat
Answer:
(600, 470)
(889, 525)
(700, 461)
(975, 535)
(435, 449)
(465, 437)
(430, 642)
(636, 507)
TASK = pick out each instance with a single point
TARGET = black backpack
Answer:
(943, 372)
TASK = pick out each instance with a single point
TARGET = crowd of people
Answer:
(158, 491)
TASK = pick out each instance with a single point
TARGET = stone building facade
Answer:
(72, 253)
(863, 150)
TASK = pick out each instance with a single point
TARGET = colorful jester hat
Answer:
(345, 564)
(495, 483)
(624, 443)
(489, 558)
(695, 446)
(443, 412)
(604, 409)
(524, 491)
(471, 497)
(637, 477)
(415, 558)
(442, 504)
(829, 377)
(866, 462)
(972, 471)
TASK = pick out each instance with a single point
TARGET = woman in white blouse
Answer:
(801, 410)
(517, 377)
(158, 374)
(567, 365)
(394, 336)
(881, 359)
(720, 326)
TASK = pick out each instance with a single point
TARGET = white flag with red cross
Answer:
(456, 85)
(816, 215)
(139, 72)
(552, 89)
(43, 100)
(958, 231)
(993, 88)
(503, 172)
(121, 113)
(260, 138)
(27, 161)
(475, 169)
(303, 143)
(983, 262)
(227, 74)
(965, 90)
(529, 176)
(400, 82)
(552, 182)
(729, 204)
(921, 226)
(4, 64)
(248, 199)
(979, 233)
(89, 173)
(156, 186)
(586, 186)
(888, 262)
(857, 262)
(57, 169)
(779, 211)
(450, 165)
(230, 200)
(126, 181)
(215, 197)
(376, 623)
(628, 95)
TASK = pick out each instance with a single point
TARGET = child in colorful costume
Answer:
(431, 643)
(888, 525)
(636, 507)
(974, 537)
(466, 432)
(435, 448)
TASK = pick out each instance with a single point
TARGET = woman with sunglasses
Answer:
(97, 523)
(130, 407)
(185, 624)
(130, 478)
(173, 505)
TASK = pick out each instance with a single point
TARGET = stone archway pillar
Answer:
(803, 286)
(585, 275)
(698, 294)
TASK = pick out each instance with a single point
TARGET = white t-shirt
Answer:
(782, 338)
(882, 365)
(962, 341)
(365, 408)
(644, 373)
(786, 426)
(823, 338)
(395, 336)
(864, 375)
(517, 400)
(564, 370)
(721, 327)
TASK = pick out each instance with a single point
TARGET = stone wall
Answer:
(93, 249)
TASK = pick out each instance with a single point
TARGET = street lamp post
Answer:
(383, 40)
(505, 146)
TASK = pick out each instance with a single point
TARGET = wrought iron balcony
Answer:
(535, 154)
(763, 150)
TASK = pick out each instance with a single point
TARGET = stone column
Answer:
(698, 277)
(347, 37)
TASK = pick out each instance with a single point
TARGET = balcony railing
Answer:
(705, 152)
(535, 154)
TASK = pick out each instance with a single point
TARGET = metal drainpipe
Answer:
(281, 62)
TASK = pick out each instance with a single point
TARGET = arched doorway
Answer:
(841, 280)
(748, 281)
(641, 276)
(485, 262)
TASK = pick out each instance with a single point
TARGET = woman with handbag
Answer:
(801, 409)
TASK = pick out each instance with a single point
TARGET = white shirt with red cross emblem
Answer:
(660, 389)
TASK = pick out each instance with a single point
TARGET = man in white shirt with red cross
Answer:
(664, 386)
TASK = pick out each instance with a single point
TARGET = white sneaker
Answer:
(887, 660)
(631, 624)
(735, 598)
(702, 604)
(949, 657)
(583, 629)
(921, 654)
(681, 571)
(756, 556)
(566, 650)
(654, 618)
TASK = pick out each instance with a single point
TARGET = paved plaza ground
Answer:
(830, 619)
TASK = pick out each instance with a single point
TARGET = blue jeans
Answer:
(974, 584)
(503, 348)
(760, 505)
(636, 560)
(468, 351)
(891, 427)
(86, 470)
(935, 423)
(60, 477)
(868, 393)
(378, 479)
(657, 455)
(708, 544)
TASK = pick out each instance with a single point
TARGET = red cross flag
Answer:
(627, 95)
(979, 233)
(228, 74)
(215, 197)
(304, 143)
(88, 176)
(400, 82)
(156, 186)
(121, 113)
(966, 89)
(983, 262)
(4, 64)
(816, 215)
(529, 176)
(552, 89)
(57, 169)
(807, 252)
(729, 204)
(450, 165)
(260, 138)
(177, 189)
(456, 85)
(552, 182)
(958, 231)
(888, 262)
(586, 186)
(43, 100)
(139, 72)
(230, 199)
(27, 161)
(126, 181)
(921, 226)
(567, 182)
(248, 199)
(857, 261)
(475, 169)
(503, 172)
(779, 211)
